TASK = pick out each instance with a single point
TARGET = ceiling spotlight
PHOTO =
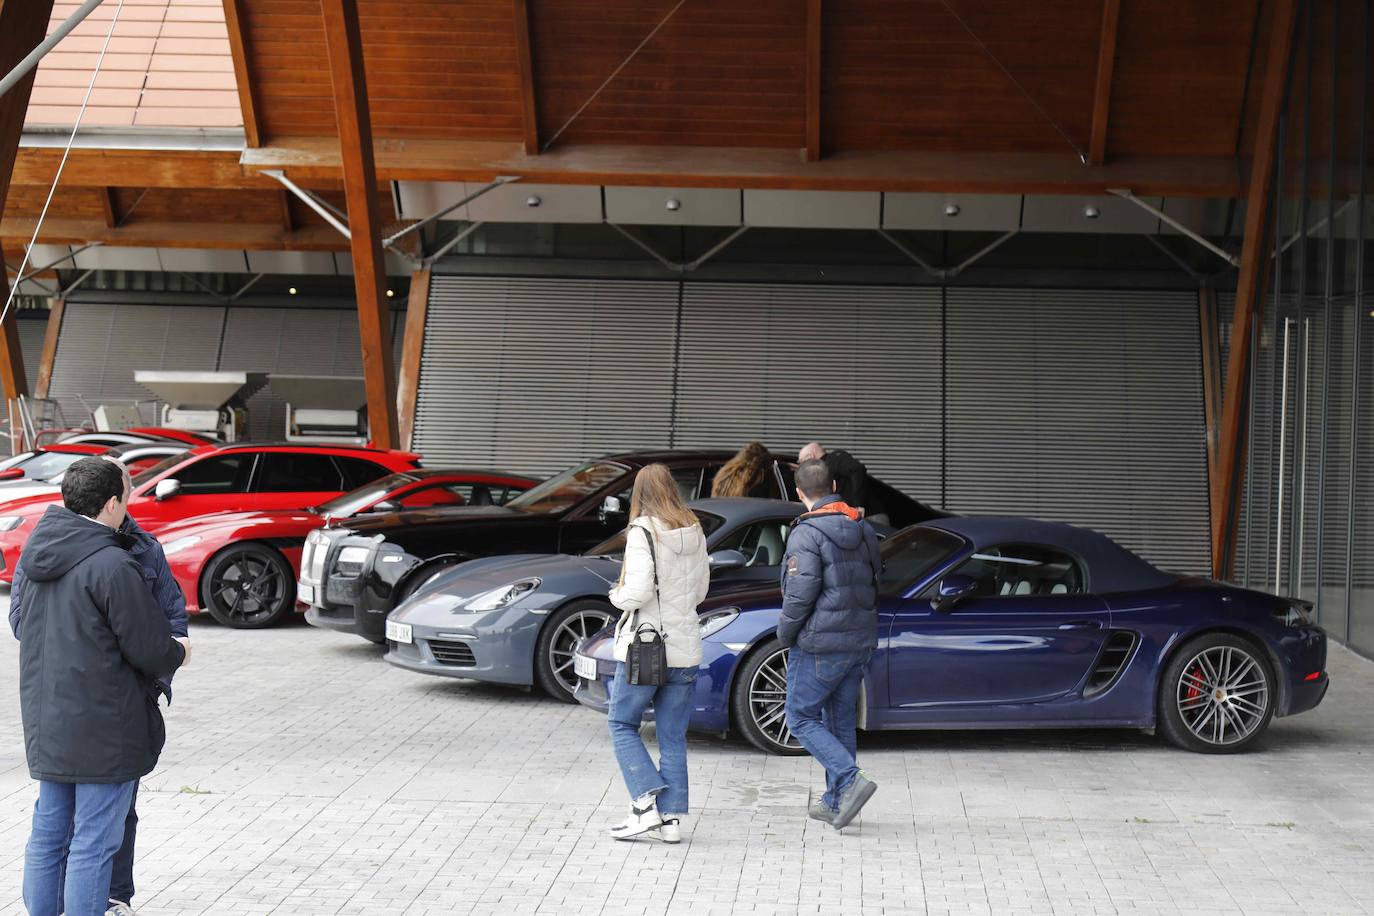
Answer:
(292, 290)
(390, 293)
(533, 200)
(951, 209)
(1091, 212)
(673, 204)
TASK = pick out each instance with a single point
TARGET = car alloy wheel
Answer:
(759, 700)
(558, 640)
(1223, 695)
(248, 587)
(1217, 694)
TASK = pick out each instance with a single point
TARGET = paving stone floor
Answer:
(305, 776)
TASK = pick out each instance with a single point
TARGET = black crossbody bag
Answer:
(646, 661)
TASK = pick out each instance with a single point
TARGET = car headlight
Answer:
(10, 522)
(716, 621)
(1295, 614)
(178, 545)
(503, 596)
(352, 560)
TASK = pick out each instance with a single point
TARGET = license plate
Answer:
(305, 594)
(398, 632)
(584, 667)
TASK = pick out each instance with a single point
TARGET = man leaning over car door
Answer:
(157, 576)
(830, 621)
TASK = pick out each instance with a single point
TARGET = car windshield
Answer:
(354, 500)
(569, 488)
(614, 546)
(911, 555)
(49, 464)
(165, 464)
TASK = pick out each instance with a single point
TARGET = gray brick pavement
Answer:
(304, 776)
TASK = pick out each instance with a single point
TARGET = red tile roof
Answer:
(168, 66)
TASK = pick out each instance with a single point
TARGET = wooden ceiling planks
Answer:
(909, 74)
(718, 72)
(1179, 83)
(434, 69)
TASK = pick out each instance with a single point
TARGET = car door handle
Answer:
(1080, 625)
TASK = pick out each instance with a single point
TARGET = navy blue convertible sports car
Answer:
(1014, 623)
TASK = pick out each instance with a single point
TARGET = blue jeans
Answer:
(81, 825)
(672, 707)
(122, 868)
(822, 711)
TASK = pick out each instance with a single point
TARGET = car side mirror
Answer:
(11, 474)
(166, 488)
(611, 505)
(386, 505)
(952, 590)
(723, 560)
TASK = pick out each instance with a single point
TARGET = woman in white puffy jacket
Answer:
(668, 603)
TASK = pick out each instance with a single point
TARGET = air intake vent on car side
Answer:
(1116, 651)
(452, 652)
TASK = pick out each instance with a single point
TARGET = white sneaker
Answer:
(643, 817)
(670, 831)
(119, 908)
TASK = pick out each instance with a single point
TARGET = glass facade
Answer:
(1307, 522)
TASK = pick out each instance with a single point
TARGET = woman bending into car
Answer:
(662, 580)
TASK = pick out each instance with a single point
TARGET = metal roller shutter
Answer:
(32, 332)
(854, 367)
(1083, 407)
(535, 374)
(101, 346)
(297, 341)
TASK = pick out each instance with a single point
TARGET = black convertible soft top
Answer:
(1108, 566)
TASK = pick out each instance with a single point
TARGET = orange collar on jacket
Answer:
(838, 507)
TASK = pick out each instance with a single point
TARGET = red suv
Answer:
(219, 478)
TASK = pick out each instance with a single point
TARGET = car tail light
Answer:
(1313, 676)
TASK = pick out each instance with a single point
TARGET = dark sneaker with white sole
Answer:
(853, 799)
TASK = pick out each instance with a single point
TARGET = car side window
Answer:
(290, 472)
(688, 482)
(359, 472)
(1023, 570)
(762, 543)
(437, 494)
(217, 474)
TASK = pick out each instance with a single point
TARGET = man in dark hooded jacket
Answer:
(830, 619)
(157, 576)
(94, 643)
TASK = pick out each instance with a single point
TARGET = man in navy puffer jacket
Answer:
(830, 619)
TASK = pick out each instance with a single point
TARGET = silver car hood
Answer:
(440, 601)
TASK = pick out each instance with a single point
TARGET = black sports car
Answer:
(356, 575)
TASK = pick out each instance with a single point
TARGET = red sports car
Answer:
(242, 567)
(222, 478)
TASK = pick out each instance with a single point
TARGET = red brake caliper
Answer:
(1194, 678)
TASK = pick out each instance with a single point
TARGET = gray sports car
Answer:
(517, 619)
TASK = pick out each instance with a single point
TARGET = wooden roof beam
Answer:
(524, 56)
(1102, 89)
(343, 39)
(317, 159)
(1249, 306)
(17, 230)
(238, 49)
(23, 25)
(812, 150)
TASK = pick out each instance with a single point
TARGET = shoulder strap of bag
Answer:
(653, 564)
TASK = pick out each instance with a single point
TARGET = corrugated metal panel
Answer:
(296, 341)
(854, 367)
(101, 346)
(1083, 407)
(534, 374)
(32, 332)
